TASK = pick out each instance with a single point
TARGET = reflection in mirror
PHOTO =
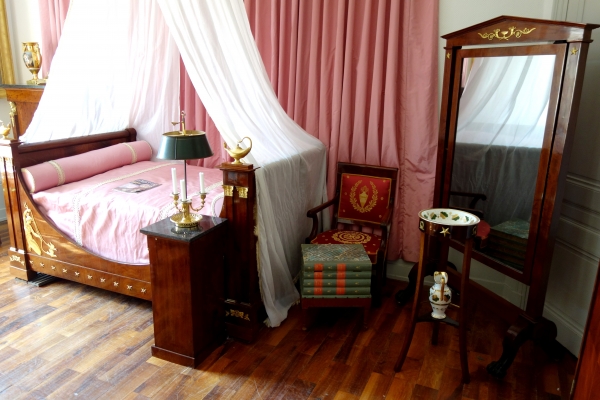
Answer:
(501, 122)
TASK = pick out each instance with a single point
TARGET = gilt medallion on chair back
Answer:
(364, 198)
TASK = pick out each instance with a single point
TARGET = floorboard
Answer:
(67, 340)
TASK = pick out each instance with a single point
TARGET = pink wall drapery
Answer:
(362, 77)
(52, 18)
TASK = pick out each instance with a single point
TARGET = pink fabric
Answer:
(93, 213)
(71, 169)
(52, 17)
(362, 77)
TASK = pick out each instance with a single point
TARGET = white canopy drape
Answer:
(130, 78)
(116, 66)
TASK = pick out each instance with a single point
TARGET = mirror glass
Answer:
(503, 107)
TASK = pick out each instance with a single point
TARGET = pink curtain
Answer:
(52, 18)
(362, 77)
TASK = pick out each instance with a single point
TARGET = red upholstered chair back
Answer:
(365, 193)
(364, 198)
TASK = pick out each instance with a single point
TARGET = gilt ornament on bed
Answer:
(35, 241)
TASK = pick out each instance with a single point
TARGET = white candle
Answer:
(174, 179)
(183, 189)
(201, 182)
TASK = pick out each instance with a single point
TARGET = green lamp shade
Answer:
(188, 146)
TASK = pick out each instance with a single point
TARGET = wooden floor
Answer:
(66, 341)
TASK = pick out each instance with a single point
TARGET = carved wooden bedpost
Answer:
(244, 311)
(19, 265)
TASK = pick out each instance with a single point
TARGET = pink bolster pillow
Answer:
(75, 168)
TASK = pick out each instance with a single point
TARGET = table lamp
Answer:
(185, 145)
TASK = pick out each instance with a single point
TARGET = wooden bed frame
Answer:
(61, 257)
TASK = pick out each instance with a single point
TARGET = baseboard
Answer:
(570, 334)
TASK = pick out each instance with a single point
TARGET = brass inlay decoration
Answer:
(574, 51)
(42, 265)
(17, 259)
(35, 241)
(65, 270)
(445, 231)
(363, 197)
(143, 290)
(77, 273)
(238, 314)
(13, 116)
(129, 287)
(90, 277)
(116, 284)
(243, 191)
(53, 267)
(31, 262)
(447, 55)
(228, 189)
(505, 35)
(102, 280)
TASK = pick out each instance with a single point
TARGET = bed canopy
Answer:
(117, 65)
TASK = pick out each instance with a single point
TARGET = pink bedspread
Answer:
(107, 222)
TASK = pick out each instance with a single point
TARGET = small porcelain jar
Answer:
(440, 295)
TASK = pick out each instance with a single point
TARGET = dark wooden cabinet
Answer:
(187, 269)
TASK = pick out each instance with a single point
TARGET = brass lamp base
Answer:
(186, 220)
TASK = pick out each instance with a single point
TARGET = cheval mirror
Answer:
(509, 106)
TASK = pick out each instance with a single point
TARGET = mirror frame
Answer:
(504, 36)
(7, 76)
(558, 50)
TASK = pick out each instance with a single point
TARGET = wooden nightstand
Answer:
(187, 289)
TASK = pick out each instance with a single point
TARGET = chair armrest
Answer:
(313, 213)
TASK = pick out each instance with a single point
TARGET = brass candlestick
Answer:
(184, 218)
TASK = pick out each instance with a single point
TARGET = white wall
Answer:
(23, 23)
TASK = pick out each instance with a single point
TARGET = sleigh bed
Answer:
(38, 245)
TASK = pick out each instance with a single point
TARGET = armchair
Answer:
(362, 213)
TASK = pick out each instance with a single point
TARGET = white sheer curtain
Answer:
(116, 66)
(497, 107)
(223, 62)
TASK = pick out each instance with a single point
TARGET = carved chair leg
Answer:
(366, 317)
(308, 318)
